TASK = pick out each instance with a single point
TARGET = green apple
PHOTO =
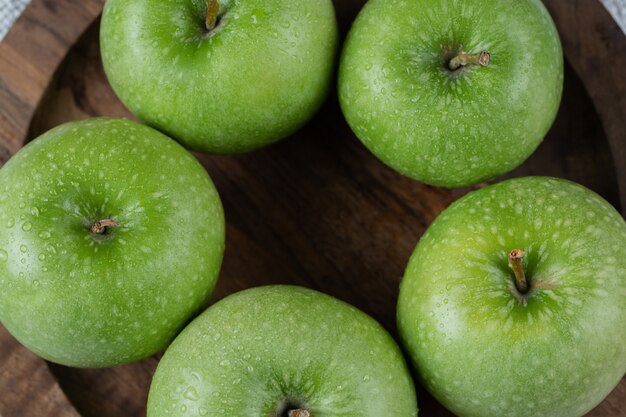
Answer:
(111, 239)
(220, 76)
(282, 351)
(451, 92)
(514, 301)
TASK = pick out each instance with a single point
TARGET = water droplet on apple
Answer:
(203, 411)
(191, 394)
(250, 368)
(27, 226)
(44, 235)
(4, 256)
(22, 205)
(183, 408)
(42, 257)
(23, 248)
(386, 71)
(10, 223)
(368, 67)
(35, 283)
(224, 363)
(366, 378)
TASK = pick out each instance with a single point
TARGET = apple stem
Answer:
(515, 262)
(99, 227)
(483, 58)
(300, 412)
(212, 14)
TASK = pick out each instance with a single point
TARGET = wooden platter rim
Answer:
(23, 82)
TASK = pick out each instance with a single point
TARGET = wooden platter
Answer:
(315, 209)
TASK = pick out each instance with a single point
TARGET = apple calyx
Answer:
(300, 412)
(212, 14)
(99, 227)
(515, 262)
(483, 58)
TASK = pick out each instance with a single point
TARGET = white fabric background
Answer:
(11, 9)
(617, 9)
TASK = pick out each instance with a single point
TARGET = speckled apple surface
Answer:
(257, 77)
(91, 301)
(264, 351)
(443, 128)
(483, 349)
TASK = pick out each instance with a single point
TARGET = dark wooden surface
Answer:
(315, 210)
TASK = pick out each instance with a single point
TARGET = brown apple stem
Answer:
(211, 14)
(515, 262)
(99, 227)
(300, 412)
(483, 58)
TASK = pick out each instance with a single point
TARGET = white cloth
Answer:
(11, 9)
(618, 9)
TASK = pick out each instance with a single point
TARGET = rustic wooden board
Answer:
(315, 210)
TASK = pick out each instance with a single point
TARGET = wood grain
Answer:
(596, 48)
(315, 209)
(27, 387)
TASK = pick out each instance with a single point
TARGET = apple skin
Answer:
(259, 76)
(447, 129)
(89, 300)
(265, 350)
(485, 351)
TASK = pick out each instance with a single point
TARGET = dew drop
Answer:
(191, 394)
(42, 257)
(44, 235)
(4, 256)
(10, 223)
(366, 378)
(23, 248)
(35, 283)
(27, 226)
